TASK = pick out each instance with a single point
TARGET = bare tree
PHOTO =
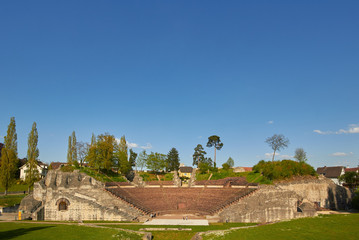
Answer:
(277, 143)
(300, 155)
(82, 149)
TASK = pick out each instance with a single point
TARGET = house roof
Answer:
(39, 163)
(352, 169)
(186, 169)
(330, 172)
(57, 165)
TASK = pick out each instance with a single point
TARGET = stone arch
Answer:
(62, 204)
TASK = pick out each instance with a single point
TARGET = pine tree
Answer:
(9, 158)
(32, 174)
(173, 160)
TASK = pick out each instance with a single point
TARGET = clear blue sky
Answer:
(171, 73)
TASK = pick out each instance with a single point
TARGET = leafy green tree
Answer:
(121, 154)
(32, 174)
(133, 157)
(225, 166)
(300, 155)
(350, 178)
(156, 161)
(214, 141)
(105, 150)
(173, 160)
(230, 162)
(91, 156)
(141, 160)
(277, 142)
(9, 158)
(198, 155)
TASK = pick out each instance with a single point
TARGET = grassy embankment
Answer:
(17, 187)
(103, 176)
(250, 176)
(11, 200)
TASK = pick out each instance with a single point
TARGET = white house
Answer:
(41, 168)
(332, 173)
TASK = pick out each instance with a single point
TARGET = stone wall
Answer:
(83, 198)
(287, 200)
(267, 204)
(321, 190)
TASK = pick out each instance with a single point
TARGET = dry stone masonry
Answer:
(75, 196)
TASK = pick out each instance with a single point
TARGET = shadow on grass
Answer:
(18, 232)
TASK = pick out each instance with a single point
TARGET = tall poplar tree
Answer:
(32, 174)
(69, 151)
(74, 147)
(122, 156)
(9, 158)
(72, 150)
(92, 157)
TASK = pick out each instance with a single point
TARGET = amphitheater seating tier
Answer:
(180, 200)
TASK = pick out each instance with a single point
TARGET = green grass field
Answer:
(318, 228)
(28, 231)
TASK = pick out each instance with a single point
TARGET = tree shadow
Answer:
(20, 231)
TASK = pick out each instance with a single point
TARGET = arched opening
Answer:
(63, 204)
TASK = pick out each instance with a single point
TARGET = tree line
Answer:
(107, 153)
(9, 157)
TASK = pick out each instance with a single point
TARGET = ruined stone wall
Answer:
(267, 204)
(321, 190)
(84, 197)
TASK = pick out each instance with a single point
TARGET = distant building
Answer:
(352, 170)
(41, 168)
(242, 169)
(57, 165)
(185, 171)
(332, 173)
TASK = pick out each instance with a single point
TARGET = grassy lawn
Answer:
(322, 227)
(16, 188)
(28, 231)
(11, 200)
(181, 235)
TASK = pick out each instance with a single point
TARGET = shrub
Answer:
(355, 200)
(284, 169)
(67, 168)
(225, 166)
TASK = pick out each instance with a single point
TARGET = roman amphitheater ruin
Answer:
(63, 196)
